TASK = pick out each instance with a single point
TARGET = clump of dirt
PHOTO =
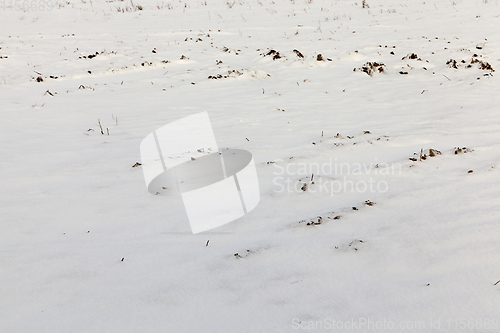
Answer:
(424, 154)
(231, 73)
(90, 56)
(93, 55)
(320, 219)
(298, 53)
(411, 56)
(315, 222)
(228, 50)
(483, 65)
(237, 73)
(372, 67)
(462, 150)
(452, 63)
(434, 152)
(273, 53)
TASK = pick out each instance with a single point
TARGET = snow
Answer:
(85, 248)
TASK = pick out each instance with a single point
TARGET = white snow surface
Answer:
(85, 248)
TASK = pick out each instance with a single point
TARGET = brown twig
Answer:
(99, 121)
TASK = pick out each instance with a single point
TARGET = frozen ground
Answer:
(85, 248)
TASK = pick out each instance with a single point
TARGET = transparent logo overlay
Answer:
(217, 187)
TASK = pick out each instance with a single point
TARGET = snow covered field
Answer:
(387, 238)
